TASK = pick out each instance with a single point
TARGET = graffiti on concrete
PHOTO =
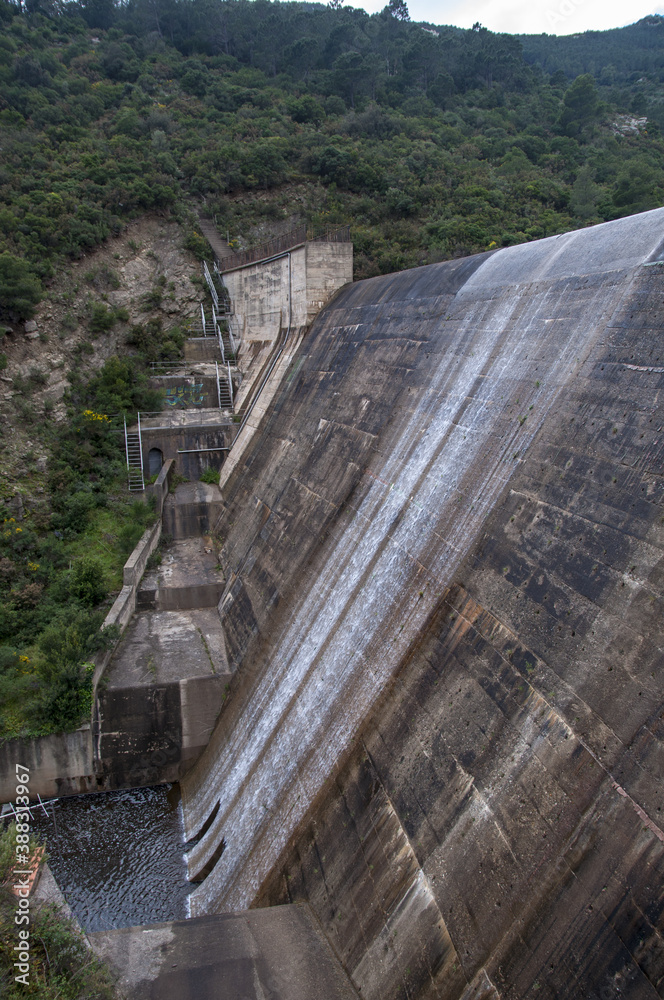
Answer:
(185, 395)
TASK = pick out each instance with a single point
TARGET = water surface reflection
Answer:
(118, 856)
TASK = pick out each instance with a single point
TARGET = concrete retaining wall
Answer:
(60, 764)
(188, 391)
(193, 448)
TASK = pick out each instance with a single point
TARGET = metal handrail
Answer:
(140, 446)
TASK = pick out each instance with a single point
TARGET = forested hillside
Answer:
(431, 141)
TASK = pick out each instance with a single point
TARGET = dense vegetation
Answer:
(432, 141)
(61, 965)
(56, 568)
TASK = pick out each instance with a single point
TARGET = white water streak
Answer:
(344, 640)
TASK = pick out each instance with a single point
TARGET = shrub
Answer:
(102, 318)
(61, 963)
(86, 583)
(20, 289)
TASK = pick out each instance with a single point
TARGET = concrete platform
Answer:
(188, 577)
(165, 687)
(167, 419)
(276, 953)
(163, 646)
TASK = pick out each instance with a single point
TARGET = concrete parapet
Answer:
(58, 764)
(137, 561)
(159, 489)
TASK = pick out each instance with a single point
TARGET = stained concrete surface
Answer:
(188, 576)
(276, 953)
(193, 510)
(162, 694)
(163, 646)
(444, 550)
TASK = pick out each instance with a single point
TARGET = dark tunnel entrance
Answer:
(155, 461)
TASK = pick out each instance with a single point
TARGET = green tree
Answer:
(585, 194)
(20, 289)
(398, 9)
(581, 102)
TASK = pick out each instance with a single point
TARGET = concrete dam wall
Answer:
(443, 549)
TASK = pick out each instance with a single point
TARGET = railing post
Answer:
(218, 386)
(140, 444)
(124, 417)
(221, 343)
(203, 318)
(230, 384)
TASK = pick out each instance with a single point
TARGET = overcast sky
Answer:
(555, 17)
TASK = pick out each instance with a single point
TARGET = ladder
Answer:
(134, 452)
(224, 386)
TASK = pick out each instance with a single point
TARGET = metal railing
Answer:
(296, 237)
(134, 453)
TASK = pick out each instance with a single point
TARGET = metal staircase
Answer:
(134, 452)
(219, 327)
(224, 386)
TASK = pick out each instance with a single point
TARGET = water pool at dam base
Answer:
(118, 857)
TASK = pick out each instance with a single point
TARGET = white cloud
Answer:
(555, 17)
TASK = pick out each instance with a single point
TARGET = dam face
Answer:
(444, 554)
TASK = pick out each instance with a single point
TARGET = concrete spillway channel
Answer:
(165, 685)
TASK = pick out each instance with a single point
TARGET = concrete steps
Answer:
(192, 510)
(169, 675)
(216, 241)
(186, 578)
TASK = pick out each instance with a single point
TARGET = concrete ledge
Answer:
(137, 561)
(276, 953)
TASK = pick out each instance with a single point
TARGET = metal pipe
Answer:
(195, 451)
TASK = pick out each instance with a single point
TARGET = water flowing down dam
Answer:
(443, 549)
